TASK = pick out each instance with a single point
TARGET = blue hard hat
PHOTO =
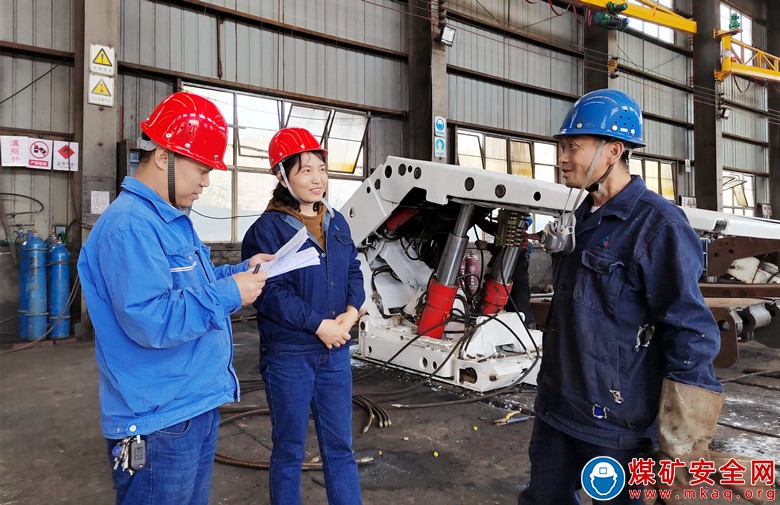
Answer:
(605, 113)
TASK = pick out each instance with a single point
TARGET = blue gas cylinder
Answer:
(51, 240)
(32, 311)
(59, 290)
(24, 298)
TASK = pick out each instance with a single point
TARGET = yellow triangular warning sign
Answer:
(101, 89)
(102, 58)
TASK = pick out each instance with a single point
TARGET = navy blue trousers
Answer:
(310, 379)
(557, 460)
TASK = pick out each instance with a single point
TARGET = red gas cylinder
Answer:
(470, 272)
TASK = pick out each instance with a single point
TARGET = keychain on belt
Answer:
(130, 454)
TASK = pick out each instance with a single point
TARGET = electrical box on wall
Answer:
(127, 162)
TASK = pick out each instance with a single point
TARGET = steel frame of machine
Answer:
(500, 351)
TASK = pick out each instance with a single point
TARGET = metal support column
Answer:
(96, 125)
(597, 54)
(428, 96)
(773, 91)
(707, 128)
(421, 39)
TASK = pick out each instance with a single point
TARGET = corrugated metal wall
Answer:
(662, 138)
(169, 38)
(535, 19)
(386, 138)
(745, 156)
(185, 41)
(478, 102)
(379, 23)
(484, 104)
(490, 53)
(136, 100)
(41, 23)
(747, 124)
(44, 106)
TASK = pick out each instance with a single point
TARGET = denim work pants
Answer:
(299, 379)
(179, 464)
(557, 461)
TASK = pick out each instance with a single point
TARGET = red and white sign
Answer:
(13, 151)
(66, 156)
(39, 154)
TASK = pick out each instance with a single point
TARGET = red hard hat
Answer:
(190, 125)
(290, 141)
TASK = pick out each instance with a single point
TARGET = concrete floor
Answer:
(51, 450)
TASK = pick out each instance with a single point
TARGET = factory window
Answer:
(508, 155)
(738, 193)
(237, 197)
(520, 161)
(653, 30)
(469, 150)
(658, 175)
(526, 158)
(745, 23)
(495, 154)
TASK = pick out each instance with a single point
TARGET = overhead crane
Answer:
(647, 11)
(760, 65)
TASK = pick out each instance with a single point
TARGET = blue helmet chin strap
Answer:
(558, 234)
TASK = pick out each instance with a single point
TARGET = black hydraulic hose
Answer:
(240, 412)
(427, 377)
(384, 364)
(498, 392)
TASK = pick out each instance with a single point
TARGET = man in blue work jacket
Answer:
(161, 312)
(626, 321)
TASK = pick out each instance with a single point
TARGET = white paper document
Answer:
(289, 257)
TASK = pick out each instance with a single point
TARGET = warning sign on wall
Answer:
(101, 60)
(65, 156)
(39, 154)
(101, 90)
(13, 151)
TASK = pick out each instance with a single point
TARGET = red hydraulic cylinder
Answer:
(437, 309)
(494, 296)
(399, 218)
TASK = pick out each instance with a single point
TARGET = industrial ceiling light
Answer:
(447, 36)
(724, 112)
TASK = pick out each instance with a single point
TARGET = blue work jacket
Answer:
(295, 303)
(627, 312)
(161, 313)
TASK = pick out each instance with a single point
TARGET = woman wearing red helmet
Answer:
(304, 317)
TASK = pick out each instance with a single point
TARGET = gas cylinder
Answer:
(472, 272)
(58, 271)
(32, 310)
(24, 299)
(51, 240)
